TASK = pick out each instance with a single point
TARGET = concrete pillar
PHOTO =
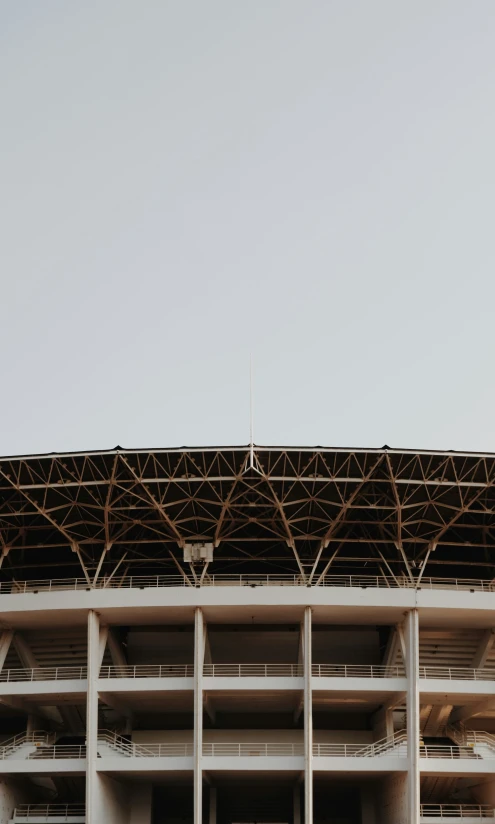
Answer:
(213, 805)
(296, 795)
(92, 718)
(411, 637)
(308, 721)
(199, 654)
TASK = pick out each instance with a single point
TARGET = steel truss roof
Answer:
(265, 509)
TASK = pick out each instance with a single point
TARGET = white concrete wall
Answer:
(11, 795)
(392, 800)
(111, 801)
(484, 793)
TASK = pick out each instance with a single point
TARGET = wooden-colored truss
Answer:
(268, 510)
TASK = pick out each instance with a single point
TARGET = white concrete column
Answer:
(411, 637)
(308, 720)
(92, 717)
(213, 805)
(199, 655)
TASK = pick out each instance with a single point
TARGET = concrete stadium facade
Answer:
(252, 635)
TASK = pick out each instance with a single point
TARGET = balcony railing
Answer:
(44, 674)
(121, 746)
(13, 745)
(67, 673)
(46, 812)
(111, 743)
(478, 741)
(39, 745)
(118, 745)
(160, 581)
(481, 811)
(148, 671)
(456, 751)
(394, 745)
(357, 671)
(253, 670)
(59, 751)
(253, 749)
(457, 673)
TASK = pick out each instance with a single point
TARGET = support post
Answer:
(5, 642)
(308, 721)
(411, 637)
(25, 653)
(199, 654)
(94, 662)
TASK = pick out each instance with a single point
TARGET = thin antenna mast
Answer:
(251, 412)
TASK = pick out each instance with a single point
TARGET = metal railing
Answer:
(36, 739)
(59, 751)
(457, 673)
(62, 812)
(456, 751)
(42, 746)
(44, 674)
(253, 670)
(395, 745)
(473, 738)
(159, 581)
(357, 671)
(481, 811)
(252, 749)
(148, 671)
(123, 746)
(67, 673)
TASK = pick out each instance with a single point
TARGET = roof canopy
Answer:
(264, 509)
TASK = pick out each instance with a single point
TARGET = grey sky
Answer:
(183, 182)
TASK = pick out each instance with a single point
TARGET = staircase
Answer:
(25, 745)
(481, 744)
(111, 744)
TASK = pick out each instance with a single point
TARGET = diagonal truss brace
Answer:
(44, 512)
(330, 534)
(157, 506)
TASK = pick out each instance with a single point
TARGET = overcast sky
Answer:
(182, 183)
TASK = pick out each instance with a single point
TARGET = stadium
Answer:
(247, 634)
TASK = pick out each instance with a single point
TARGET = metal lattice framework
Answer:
(265, 509)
